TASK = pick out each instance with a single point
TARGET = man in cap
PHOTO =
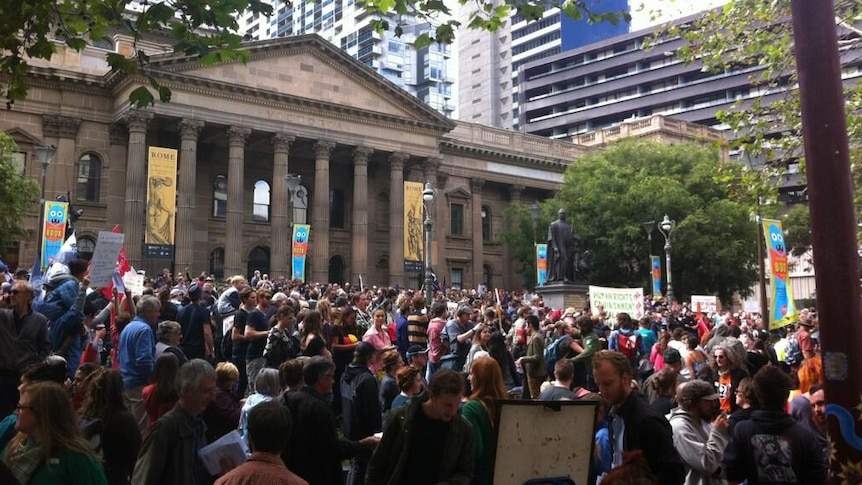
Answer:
(417, 357)
(700, 432)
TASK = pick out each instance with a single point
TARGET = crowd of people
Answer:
(330, 384)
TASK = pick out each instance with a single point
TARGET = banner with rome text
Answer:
(161, 203)
(414, 246)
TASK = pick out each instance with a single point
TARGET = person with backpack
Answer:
(625, 339)
(460, 334)
(559, 348)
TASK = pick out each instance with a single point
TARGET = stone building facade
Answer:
(298, 106)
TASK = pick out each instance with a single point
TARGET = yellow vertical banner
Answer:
(161, 202)
(413, 244)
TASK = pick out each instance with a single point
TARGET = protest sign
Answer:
(105, 258)
(617, 300)
(134, 282)
(704, 303)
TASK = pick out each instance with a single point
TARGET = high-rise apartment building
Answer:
(490, 61)
(426, 73)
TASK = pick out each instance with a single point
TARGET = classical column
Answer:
(359, 246)
(185, 241)
(430, 167)
(511, 279)
(64, 168)
(233, 223)
(476, 186)
(281, 226)
(320, 213)
(441, 224)
(396, 218)
(136, 185)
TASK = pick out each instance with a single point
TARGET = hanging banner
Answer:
(783, 309)
(161, 203)
(413, 244)
(54, 230)
(655, 269)
(299, 250)
(617, 300)
(541, 264)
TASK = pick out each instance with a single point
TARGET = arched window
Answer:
(85, 246)
(89, 178)
(486, 223)
(336, 270)
(105, 43)
(258, 259)
(261, 201)
(220, 196)
(217, 262)
(336, 209)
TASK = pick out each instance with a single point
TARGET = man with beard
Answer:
(700, 433)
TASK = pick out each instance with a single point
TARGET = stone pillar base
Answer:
(564, 295)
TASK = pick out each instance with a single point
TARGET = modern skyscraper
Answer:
(489, 62)
(424, 72)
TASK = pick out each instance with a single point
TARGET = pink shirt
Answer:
(436, 349)
(380, 340)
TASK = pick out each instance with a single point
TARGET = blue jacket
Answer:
(137, 351)
(60, 299)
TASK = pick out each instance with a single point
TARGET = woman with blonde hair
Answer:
(49, 447)
(486, 380)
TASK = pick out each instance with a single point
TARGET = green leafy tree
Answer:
(207, 29)
(609, 194)
(756, 36)
(17, 194)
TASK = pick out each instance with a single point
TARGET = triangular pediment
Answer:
(23, 137)
(309, 68)
(458, 194)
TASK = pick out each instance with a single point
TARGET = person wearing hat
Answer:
(700, 433)
(803, 336)
(360, 406)
(417, 357)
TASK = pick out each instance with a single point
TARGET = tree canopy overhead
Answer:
(208, 29)
(609, 194)
(18, 193)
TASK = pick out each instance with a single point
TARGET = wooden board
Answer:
(537, 439)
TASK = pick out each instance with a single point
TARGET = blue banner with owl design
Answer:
(782, 311)
(299, 250)
(54, 231)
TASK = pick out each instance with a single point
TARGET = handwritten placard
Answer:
(105, 257)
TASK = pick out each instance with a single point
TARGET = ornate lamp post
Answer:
(666, 226)
(293, 182)
(45, 153)
(428, 200)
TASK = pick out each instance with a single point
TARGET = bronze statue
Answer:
(566, 263)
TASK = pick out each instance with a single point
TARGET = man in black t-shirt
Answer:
(414, 446)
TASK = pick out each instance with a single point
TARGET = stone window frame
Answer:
(92, 182)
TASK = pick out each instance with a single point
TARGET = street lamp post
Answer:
(666, 226)
(293, 181)
(428, 199)
(45, 153)
(649, 226)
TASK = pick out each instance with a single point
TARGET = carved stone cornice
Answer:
(56, 126)
(190, 128)
(361, 154)
(431, 165)
(442, 178)
(397, 159)
(237, 135)
(499, 155)
(323, 148)
(476, 185)
(138, 120)
(281, 142)
(118, 134)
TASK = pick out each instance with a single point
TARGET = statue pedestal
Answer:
(564, 295)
